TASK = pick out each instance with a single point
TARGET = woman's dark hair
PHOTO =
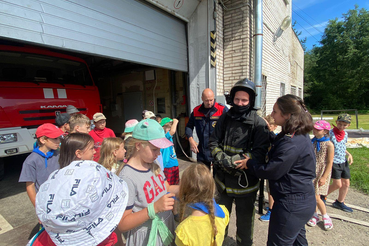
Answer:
(300, 121)
(70, 144)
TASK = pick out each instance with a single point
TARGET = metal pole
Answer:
(258, 56)
(258, 49)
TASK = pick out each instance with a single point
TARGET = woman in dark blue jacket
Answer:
(290, 169)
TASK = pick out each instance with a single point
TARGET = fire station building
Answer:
(159, 55)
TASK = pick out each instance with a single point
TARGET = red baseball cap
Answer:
(49, 130)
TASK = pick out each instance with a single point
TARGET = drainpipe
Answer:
(258, 49)
(258, 55)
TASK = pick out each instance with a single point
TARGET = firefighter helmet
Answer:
(243, 85)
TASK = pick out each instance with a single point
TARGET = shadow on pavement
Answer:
(34, 231)
(9, 185)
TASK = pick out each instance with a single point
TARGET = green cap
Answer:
(150, 130)
(165, 121)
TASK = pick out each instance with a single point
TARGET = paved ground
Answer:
(18, 222)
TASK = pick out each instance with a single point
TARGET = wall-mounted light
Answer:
(284, 25)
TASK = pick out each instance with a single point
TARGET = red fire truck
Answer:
(34, 84)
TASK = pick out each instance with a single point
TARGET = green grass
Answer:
(360, 169)
(363, 120)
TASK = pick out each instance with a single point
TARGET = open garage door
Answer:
(120, 29)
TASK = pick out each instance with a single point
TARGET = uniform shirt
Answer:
(34, 169)
(290, 168)
(201, 234)
(339, 148)
(204, 120)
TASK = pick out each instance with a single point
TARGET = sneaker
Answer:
(324, 199)
(266, 217)
(342, 206)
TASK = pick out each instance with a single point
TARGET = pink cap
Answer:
(322, 125)
(161, 143)
(130, 125)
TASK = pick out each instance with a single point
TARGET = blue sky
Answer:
(312, 16)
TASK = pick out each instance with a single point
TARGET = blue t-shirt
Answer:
(169, 154)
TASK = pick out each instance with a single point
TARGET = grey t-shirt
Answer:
(144, 188)
(34, 169)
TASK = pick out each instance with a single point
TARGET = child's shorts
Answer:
(172, 175)
(341, 171)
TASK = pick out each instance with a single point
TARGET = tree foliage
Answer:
(336, 73)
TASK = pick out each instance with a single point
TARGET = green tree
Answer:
(337, 71)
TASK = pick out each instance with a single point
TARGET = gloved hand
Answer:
(226, 163)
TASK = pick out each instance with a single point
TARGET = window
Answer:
(27, 67)
(263, 93)
(160, 102)
(283, 89)
(293, 90)
(300, 92)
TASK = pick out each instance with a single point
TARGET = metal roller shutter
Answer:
(119, 29)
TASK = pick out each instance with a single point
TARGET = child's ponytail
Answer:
(210, 205)
(108, 146)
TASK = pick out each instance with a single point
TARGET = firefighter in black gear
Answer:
(239, 132)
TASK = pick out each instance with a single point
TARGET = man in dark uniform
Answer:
(204, 118)
(239, 132)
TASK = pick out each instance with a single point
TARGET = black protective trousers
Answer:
(245, 214)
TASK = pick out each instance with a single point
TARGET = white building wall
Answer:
(282, 60)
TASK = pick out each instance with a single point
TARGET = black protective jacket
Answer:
(233, 136)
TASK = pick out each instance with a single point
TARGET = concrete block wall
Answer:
(220, 51)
